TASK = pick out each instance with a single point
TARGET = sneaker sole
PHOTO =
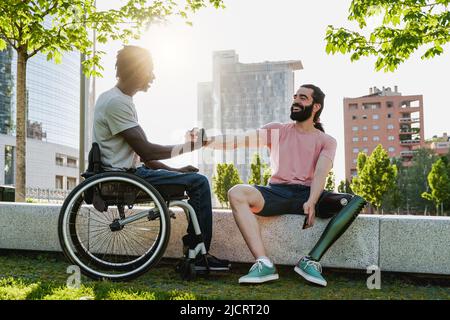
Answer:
(260, 279)
(212, 269)
(309, 278)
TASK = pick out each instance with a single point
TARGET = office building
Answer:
(52, 98)
(243, 96)
(385, 117)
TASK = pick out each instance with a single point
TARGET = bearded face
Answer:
(301, 113)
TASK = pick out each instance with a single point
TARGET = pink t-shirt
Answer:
(293, 155)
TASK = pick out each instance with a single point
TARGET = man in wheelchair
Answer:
(122, 141)
(301, 157)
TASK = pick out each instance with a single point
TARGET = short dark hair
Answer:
(318, 97)
(130, 60)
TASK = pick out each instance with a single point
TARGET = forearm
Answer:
(221, 142)
(317, 187)
(159, 152)
(321, 171)
(148, 151)
(249, 139)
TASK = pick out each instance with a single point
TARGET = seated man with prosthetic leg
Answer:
(301, 157)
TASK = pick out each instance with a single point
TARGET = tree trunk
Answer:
(21, 125)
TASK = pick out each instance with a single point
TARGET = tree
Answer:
(260, 172)
(392, 200)
(407, 25)
(439, 183)
(344, 187)
(225, 178)
(330, 182)
(266, 175)
(375, 177)
(52, 27)
(413, 180)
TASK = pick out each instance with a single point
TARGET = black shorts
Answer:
(283, 199)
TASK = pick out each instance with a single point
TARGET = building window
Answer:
(375, 117)
(355, 150)
(389, 115)
(354, 128)
(391, 149)
(9, 165)
(376, 138)
(354, 117)
(355, 139)
(365, 139)
(59, 159)
(376, 127)
(71, 183)
(389, 104)
(364, 128)
(391, 138)
(367, 106)
(366, 150)
(59, 182)
(364, 116)
(71, 162)
(355, 160)
(390, 126)
(353, 106)
(353, 172)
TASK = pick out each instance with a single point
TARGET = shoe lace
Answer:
(316, 265)
(258, 264)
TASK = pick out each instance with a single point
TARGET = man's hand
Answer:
(310, 211)
(187, 169)
(196, 137)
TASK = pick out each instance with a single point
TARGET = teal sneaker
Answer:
(260, 273)
(310, 270)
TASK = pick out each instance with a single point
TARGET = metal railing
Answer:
(40, 195)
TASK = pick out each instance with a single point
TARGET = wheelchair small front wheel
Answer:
(114, 226)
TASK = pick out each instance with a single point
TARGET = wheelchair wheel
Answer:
(114, 226)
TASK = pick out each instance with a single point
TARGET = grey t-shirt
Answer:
(115, 112)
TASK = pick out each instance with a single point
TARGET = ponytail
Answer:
(318, 125)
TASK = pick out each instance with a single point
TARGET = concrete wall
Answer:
(394, 243)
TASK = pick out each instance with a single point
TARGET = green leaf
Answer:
(2, 44)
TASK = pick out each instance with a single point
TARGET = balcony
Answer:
(410, 142)
(409, 120)
(407, 154)
(409, 131)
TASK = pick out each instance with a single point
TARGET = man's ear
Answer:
(317, 107)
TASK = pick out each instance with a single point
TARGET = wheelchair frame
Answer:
(101, 190)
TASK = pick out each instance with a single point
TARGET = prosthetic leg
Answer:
(345, 208)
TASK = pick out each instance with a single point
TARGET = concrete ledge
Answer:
(395, 243)
(415, 244)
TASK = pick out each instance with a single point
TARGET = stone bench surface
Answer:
(397, 243)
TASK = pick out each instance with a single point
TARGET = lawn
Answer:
(43, 276)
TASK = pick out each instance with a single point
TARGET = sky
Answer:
(263, 30)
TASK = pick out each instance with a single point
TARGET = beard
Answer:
(304, 114)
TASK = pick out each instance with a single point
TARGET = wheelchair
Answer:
(116, 226)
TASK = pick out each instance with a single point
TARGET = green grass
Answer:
(42, 276)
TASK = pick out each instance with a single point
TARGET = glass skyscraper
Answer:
(6, 91)
(53, 104)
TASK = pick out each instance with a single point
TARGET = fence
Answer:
(39, 195)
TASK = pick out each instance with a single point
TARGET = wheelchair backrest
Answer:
(94, 161)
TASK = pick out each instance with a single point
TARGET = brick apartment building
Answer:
(383, 117)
